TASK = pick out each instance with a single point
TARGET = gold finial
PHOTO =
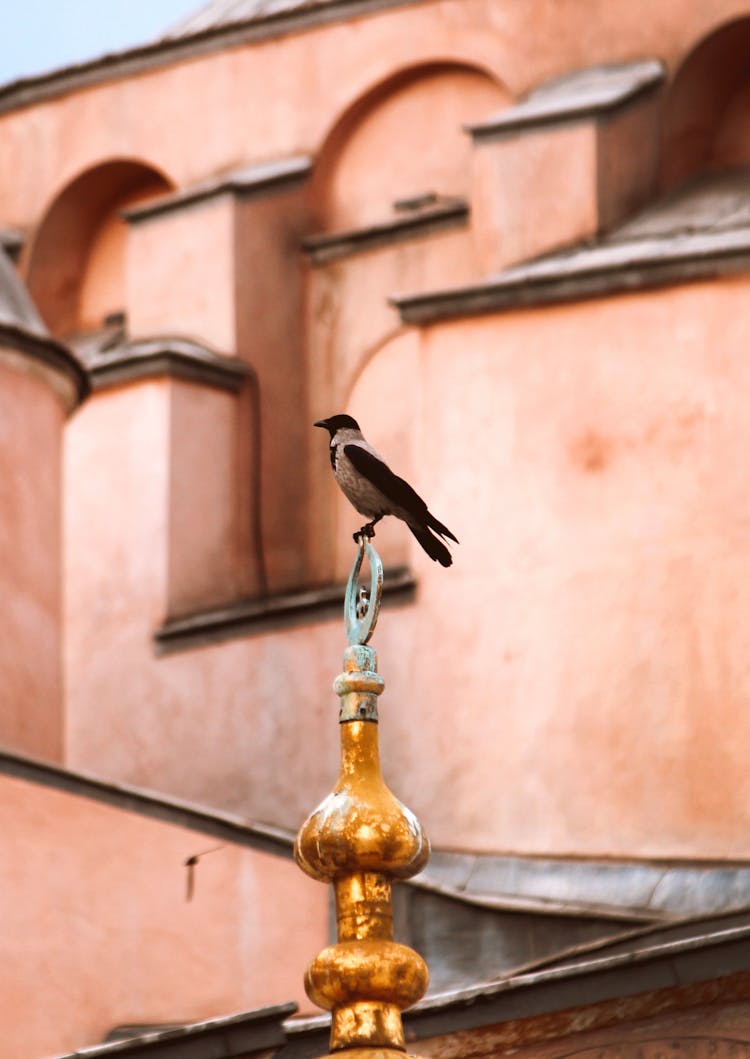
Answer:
(360, 839)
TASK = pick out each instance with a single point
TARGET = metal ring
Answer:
(360, 629)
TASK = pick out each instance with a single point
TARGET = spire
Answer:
(361, 839)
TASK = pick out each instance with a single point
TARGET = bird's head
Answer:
(336, 423)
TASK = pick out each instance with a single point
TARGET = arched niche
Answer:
(404, 138)
(75, 265)
(707, 111)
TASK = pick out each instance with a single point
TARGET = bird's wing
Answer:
(382, 477)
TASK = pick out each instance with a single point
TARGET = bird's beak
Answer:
(322, 423)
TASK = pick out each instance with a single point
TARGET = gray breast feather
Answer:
(359, 490)
(373, 488)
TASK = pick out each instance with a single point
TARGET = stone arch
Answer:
(75, 263)
(360, 360)
(707, 110)
(403, 138)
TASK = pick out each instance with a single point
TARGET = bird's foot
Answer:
(367, 531)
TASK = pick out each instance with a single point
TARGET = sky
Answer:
(41, 35)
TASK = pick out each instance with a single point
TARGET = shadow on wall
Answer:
(416, 120)
(707, 112)
(75, 264)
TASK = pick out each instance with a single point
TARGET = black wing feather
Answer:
(393, 487)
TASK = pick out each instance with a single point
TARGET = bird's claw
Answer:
(365, 532)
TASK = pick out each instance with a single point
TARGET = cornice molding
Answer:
(279, 611)
(262, 179)
(585, 94)
(322, 249)
(156, 806)
(297, 18)
(49, 353)
(176, 357)
(602, 270)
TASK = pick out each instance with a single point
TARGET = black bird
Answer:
(374, 490)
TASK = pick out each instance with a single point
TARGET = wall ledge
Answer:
(590, 93)
(12, 242)
(175, 357)
(261, 179)
(279, 611)
(22, 331)
(235, 1036)
(152, 804)
(289, 17)
(600, 270)
(51, 354)
(324, 248)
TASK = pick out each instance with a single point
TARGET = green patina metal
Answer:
(362, 604)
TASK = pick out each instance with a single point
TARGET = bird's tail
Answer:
(433, 523)
(434, 547)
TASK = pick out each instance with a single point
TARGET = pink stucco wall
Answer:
(589, 699)
(180, 274)
(31, 424)
(568, 449)
(588, 458)
(99, 932)
(326, 70)
(573, 683)
(222, 724)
